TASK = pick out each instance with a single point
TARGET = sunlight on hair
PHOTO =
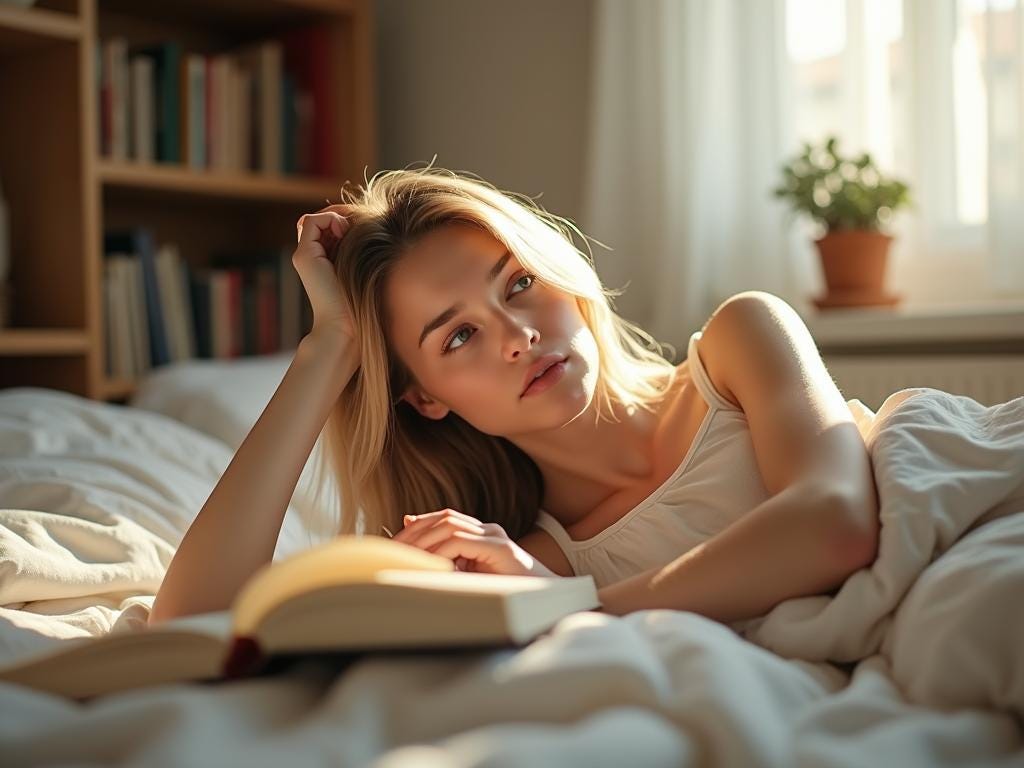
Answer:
(388, 460)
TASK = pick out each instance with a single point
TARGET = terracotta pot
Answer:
(853, 262)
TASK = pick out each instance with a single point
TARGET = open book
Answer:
(354, 594)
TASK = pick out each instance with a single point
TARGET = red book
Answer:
(266, 312)
(307, 56)
(106, 96)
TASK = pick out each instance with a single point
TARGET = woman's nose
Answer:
(520, 338)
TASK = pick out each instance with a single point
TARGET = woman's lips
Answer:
(548, 379)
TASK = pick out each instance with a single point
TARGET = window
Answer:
(934, 90)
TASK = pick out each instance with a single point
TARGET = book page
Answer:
(463, 581)
(214, 624)
(345, 559)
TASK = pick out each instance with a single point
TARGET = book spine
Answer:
(236, 328)
(324, 138)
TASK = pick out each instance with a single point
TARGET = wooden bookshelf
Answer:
(63, 194)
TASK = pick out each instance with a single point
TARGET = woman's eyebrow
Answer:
(454, 309)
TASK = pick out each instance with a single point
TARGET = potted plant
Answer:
(852, 201)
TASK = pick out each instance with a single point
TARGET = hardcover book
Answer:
(353, 595)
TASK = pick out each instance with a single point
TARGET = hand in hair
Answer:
(474, 546)
(318, 235)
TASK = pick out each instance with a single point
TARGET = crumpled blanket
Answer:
(916, 660)
(944, 600)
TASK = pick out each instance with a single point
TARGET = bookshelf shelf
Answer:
(56, 155)
(42, 341)
(240, 186)
(244, 13)
(23, 29)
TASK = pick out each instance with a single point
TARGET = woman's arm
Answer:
(820, 523)
(790, 545)
(236, 531)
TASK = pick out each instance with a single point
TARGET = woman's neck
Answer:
(586, 461)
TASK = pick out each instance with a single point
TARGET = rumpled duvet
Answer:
(916, 660)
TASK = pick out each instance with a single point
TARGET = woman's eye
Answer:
(524, 277)
(451, 347)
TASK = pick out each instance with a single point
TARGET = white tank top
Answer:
(717, 482)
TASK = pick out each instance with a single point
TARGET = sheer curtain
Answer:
(695, 105)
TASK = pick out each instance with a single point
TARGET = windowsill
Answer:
(1002, 325)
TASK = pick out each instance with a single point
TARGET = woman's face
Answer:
(470, 322)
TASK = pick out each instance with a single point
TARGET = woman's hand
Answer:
(318, 234)
(474, 546)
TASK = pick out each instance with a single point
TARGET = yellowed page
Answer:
(343, 560)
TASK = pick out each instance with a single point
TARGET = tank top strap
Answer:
(700, 377)
(548, 523)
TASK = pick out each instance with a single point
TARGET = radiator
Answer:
(989, 379)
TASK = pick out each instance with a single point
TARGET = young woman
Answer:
(478, 395)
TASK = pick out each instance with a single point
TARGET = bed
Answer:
(917, 660)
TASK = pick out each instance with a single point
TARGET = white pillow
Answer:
(79, 458)
(224, 399)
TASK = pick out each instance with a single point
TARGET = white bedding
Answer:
(93, 499)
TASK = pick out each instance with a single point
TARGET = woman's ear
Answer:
(425, 404)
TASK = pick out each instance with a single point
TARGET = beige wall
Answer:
(496, 87)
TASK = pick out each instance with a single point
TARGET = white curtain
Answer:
(696, 104)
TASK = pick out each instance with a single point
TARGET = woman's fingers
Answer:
(315, 227)
(414, 525)
(418, 520)
(318, 234)
(486, 553)
(427, 535)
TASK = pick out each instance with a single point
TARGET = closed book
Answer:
(199, 291)
(236, 328)
(119, 87)
(220, 306)
(193, 102)
(250, 322)
(188, 314)
(167, 278)
(266, 304)
(142, 110)
(353, 595)
(109, 332)
(219, 111)
(310, 56)
(265, 61)
(138, 314)
(289, 125)
(119, 362)
(140, 242)
(242, 112)
(166, 57)
(210, 113)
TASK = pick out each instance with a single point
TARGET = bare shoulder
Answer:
(746, 326)
(542, 545)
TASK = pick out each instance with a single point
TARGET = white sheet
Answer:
(932, 684)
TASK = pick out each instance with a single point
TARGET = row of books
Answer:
(159, 309)
(265, 106)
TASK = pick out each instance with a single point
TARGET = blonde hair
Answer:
(387, 459)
